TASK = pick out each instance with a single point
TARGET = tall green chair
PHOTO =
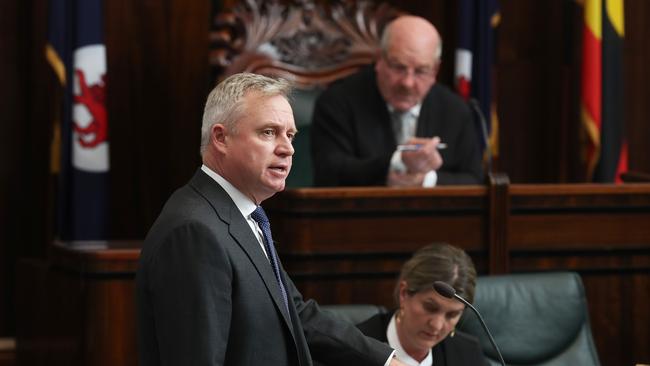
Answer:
(538, 319)
(354, 313)
(302, 102)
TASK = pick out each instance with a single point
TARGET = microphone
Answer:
(449, 292)
(484, 134)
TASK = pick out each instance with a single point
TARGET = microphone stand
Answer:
(484, 134)
(447, 291)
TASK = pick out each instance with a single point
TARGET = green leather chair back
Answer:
(536, 319)
(354, 313)
(302, 102)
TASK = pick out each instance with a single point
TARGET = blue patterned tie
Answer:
(260, 217)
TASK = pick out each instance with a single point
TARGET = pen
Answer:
(414, 147)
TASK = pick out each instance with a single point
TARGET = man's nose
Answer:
(285, 147)
(408, 79)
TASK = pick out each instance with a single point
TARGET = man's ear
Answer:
(378, 61)
(218, 136)
(378, 53)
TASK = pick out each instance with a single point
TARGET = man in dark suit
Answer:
(394, 125)
(210, 288)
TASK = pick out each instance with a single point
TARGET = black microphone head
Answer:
(444, 289)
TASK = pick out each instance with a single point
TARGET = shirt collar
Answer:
(243, 203)
(414, 111)
(393, 341)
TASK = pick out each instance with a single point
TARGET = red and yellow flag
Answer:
(602, 90)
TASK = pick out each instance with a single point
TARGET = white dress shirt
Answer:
(243, 203)
(393, 341)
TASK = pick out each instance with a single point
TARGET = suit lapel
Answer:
(241, 232)
(426, 126)
(374, 131)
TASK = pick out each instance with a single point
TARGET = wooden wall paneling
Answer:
(110, 328)
(604, 301)
(570, 168)
(25, 138)
(637, 83)
(158, 81)
(36, 190)
(49, 315)
(529, 85)
(638, 295)
(135, 64)
(619, 319)
(599, 214)
(11, 101)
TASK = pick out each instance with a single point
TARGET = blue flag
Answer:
(475, 57)
(77, 54)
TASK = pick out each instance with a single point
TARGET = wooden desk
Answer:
(346, 246)
(77, 308)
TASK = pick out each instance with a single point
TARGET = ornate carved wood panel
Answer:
(308, 43)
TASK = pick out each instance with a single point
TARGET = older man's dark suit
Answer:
(459, 350)
(206, 295)
(353, 140)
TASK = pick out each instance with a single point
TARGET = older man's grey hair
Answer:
(225, 104)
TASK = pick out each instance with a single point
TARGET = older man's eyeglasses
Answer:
(401, 70)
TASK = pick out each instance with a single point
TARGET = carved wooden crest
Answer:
(310, 44)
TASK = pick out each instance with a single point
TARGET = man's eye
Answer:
(422, 71)
(268, 132)
(401, 68)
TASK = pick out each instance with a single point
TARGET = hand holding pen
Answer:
(421, 155)
(414, 147)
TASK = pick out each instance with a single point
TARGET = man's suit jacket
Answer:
(207, 295)
(352, 137)
(460, 350)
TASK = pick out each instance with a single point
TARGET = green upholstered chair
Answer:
(536, 319)
(308, 42)
(302, 102)
(354, 313)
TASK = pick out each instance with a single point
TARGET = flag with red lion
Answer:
(77, 54)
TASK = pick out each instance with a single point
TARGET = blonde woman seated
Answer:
(422, 330)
